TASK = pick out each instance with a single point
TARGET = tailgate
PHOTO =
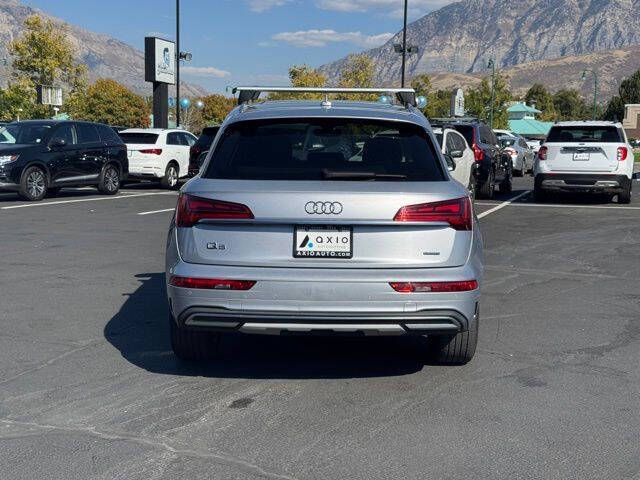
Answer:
(580, 157)
(359, 223)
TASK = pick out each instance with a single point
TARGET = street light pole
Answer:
(404, 41)
(492, 65)
(177, 63)
(595, 90)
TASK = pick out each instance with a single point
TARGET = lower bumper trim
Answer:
(278, 328)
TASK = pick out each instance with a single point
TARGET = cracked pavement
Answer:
(89, 387)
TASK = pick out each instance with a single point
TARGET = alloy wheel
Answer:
(36, 184)
(111, 180)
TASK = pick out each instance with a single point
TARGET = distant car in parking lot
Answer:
(201, 146)
(318, 217)
(519, 152)
(585, 156)
(453, 144)
(534, 145)
(493, 168)
(42, 156)
(160, 154)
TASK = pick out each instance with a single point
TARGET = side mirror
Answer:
(57, 143)
(456, 153)
(451, 164)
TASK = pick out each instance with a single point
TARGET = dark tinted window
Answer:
(458, 142)
(467, 133)
(439, 138)
(584, 134)
(487, 136)
(173, 139)
(522, 143)
(331, 149)
(108, 135)
(66, 133)
(206, 138)
(187, 139)
(144, 138)
(87, 133)
(450, 145)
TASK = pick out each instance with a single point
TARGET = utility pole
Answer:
(404, 41)
(595, 90)
(492, 66)
(177, 63)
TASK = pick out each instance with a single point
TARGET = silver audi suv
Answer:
(325, 217)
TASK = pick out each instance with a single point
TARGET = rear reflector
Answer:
(192, 209)
(211, 283)
(423, 287)
(152, 151)
(456, 213)
(542, 153)
(622, 153)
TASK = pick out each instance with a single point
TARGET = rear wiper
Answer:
(356, 175)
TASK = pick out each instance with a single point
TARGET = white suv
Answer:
(585, 156)
(156, 153)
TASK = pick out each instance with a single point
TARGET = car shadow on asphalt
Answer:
(140, 332)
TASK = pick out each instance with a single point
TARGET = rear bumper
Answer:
(145, 171)
(604, 183)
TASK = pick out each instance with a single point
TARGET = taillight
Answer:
(456, 213)
(478, 153)
(192, 209)
(542, 153)
(622, 153)
(152, 151)
(211, 283)
(435, 287)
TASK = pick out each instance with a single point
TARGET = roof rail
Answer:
(406, 96)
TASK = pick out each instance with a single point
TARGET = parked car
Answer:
(161, 154)
(534, 145)
(201, 146)
(453, 144)
(310, 219)
(585, 156)
(522, 157)
(493, 168)
(500, 132)
(39, 157)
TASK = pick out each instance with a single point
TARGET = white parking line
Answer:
(556, 205)
(80, 200)
(503, 204)
(157, 211)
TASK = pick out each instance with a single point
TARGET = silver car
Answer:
(325, 217)
(518, 150)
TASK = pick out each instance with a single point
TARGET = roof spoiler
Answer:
(406, 96)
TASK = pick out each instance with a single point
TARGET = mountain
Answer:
(104, 56)
(462, 37)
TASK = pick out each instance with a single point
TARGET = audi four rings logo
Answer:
(323, 208)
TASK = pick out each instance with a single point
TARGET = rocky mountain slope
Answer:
(463, 36)
(104, 56)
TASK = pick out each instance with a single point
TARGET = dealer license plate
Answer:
(322, 242)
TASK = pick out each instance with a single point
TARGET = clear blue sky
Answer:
(246, 41)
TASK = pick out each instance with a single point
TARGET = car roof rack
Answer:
(406, 96)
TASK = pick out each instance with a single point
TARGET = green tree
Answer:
(629, 91)
(438, 104)
(569, 105)
(543, 101)
(44, 55)
(302, 76)
(357, 73)
(110, 102)
(216, 108)
(421, 84)
(17, 100)
(614, 110)
(478, 101)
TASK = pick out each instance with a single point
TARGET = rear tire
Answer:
(456, 349)
(171, 175)
(193, 345)
(110, 181)
(624, 197)
(33, 184)
(485, 190)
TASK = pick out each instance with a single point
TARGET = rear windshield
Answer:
(467, 132)
(207, 136)
(145, 138)
(331, 149)
(585, 134)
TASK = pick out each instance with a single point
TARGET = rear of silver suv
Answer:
(324, 218)
(585, 156)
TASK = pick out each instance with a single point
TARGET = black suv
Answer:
(200, 149)
(491, 166)
(42, 156)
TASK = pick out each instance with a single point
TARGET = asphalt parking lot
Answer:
(89, 387)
